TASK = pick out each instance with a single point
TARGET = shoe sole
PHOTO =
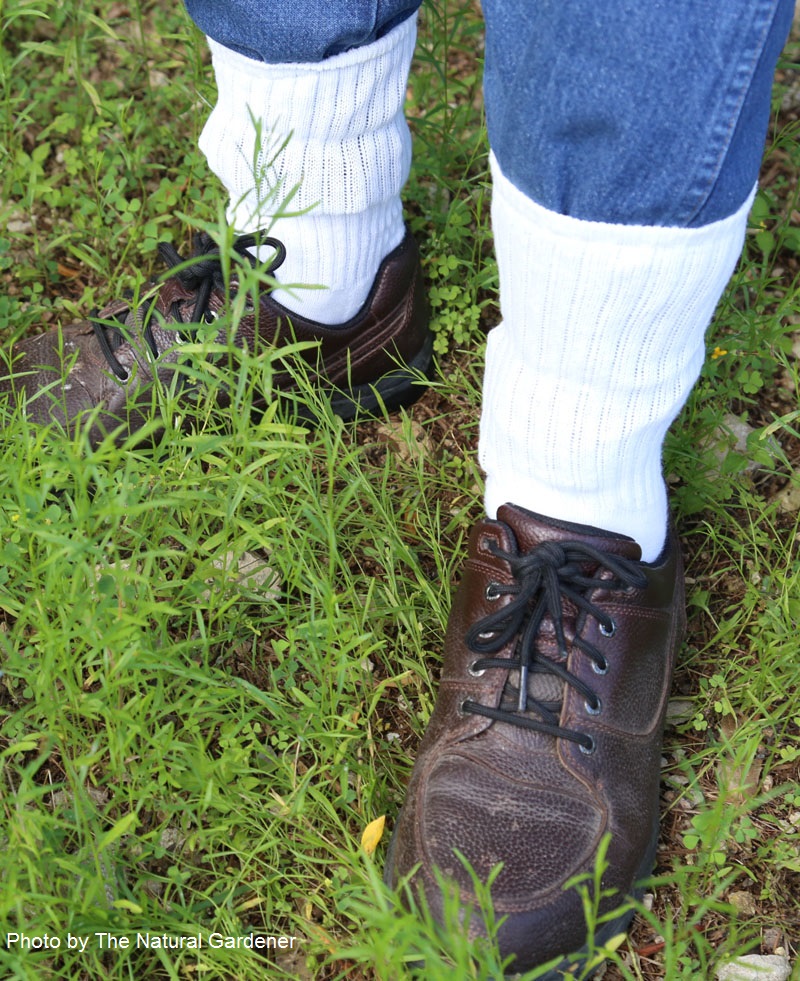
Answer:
(395, 390)
(569, 968)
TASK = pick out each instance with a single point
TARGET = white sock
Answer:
(602, 339)
(348, 148)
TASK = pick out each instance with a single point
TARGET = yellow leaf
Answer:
(615, 942)
(605, 950)
(255, 901)
(372, 834)
(128, 905)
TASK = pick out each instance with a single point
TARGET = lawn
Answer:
(218, 654)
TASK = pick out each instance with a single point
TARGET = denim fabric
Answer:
(631, 112)
(297, 30)
(619, 111)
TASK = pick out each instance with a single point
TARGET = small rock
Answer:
(755, 967)
(789, 498)
(743, 902)
(772, 939)
(735, 431)
(679, 710)
(247, 573)
(171, 839)
(19, 226)
(407, 438)
(158, 79)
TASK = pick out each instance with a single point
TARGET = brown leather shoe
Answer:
(109, 361)
(546, 736)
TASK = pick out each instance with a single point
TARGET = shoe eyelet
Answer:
(476, 673)
(601, 667)
(595, 709)
(486, 635)
(462, 711)
(488, 542)
(492, 592)
(608, 631)
(587, 750)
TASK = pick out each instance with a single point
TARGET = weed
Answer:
(218, 655)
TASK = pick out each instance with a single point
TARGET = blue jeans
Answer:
(617, 111)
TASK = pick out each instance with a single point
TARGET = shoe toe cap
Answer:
(57, 376)
(542, 832)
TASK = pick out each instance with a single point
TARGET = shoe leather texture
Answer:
(538, 804)
(62, 373)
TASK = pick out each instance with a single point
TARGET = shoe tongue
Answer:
(543, 687)
(530, 530)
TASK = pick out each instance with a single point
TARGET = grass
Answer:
(185, 750)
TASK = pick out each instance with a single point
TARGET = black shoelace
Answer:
(544, 578)
(198, 274)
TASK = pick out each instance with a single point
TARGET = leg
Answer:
(300, 32)
(661, 187)
(324, 140)
(618, 219)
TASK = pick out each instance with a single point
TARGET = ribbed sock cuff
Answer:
(601, 341)
(328, 139)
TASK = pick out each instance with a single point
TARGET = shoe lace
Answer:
(199, 274)
(545, 578)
